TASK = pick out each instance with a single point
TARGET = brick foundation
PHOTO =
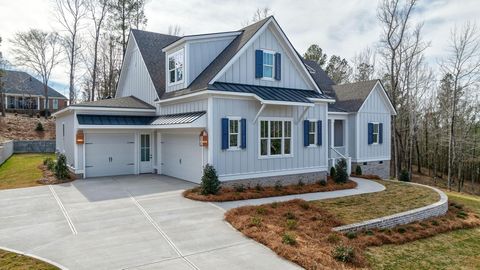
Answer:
(306, 178)
(374, 167)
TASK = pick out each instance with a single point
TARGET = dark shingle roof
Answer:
(202, 81)
(93, 119)
(150, 45)
(270, 93)
(320, 77)
(19, 82)
(351, 96)
(129, 102)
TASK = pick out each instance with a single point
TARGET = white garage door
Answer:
(109, 154)
(182, 156)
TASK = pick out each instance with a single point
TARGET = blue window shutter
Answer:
(370, 133)
(278, 66)
(224, 133)
(380, 133)
(319, 132)
(258, 63)
(243, 126)
(306, 126)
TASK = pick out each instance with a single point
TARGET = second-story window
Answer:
(176, 67)
(268, 64)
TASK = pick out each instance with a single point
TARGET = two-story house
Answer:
(243, 101)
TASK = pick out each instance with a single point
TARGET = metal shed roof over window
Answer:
(117, 120)
(180, 118)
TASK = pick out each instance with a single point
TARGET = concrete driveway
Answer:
(129, 222)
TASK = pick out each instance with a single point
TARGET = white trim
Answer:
(373, 132)
(212, 36)
(383, 158)
(239, 176)
(271, 52)
(28, 95)
(340, 113)
(385, 96)
(210, 130)
(259, 138)
(321, 100)
(259, 112)
(109, 109)
(315, 138)
(167, 70)
(239, 133)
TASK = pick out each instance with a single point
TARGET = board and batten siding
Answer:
(243, 69)
(135, 79)
(247, 162)
(202, 53)
(374, 109)
(183, 107)
(66, 144)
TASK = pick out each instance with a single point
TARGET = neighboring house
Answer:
(260, 112)
(23, 92)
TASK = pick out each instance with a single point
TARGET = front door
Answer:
(146, 153)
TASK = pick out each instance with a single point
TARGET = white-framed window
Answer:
(234, 133)
(176, 63)
(312, 133)
(268, 64)
(55, 104)
(375, 134)
(275, 138)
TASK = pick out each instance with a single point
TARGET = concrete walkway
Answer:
(363, 186)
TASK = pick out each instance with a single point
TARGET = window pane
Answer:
(263, 129)
(147, 140)
(147, 154)
(263, 147)
(375, 128)
(268, 71)
(234, 140)
(172, 76)
(312, 127)
(179, 74)
(288, 129)
(171, 63)
(142, 154)
(311, 138)
(276, 147)
(375, 138)
(267, 58)
(287, 147)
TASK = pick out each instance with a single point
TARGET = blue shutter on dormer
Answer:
(243, 133)
(224, 133)
(306, 126)
(278, 66)
(319, 132)
(258, 63)
(380, 133)
(370, 133)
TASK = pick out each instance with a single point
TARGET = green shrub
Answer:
(291, 224)
(274, 205)
(341, 175)
(369, 232)
(61, 169)
(261, 210)
(435, 223)
(333, 238)
(239, 187)
(39, 127)
(256, 221)
(358, 170)
(404, 176)
(462, 215)
(50, 163)
(210, 183)
(322, 182)
(402, 230)
(344, 253)
(351, 235)
(289, 239)
(332, 172)
(290, 215)
(278, 186)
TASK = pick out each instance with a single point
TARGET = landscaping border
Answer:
(433, 210)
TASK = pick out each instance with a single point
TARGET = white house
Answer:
(264, 113)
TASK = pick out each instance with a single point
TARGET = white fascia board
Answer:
(200, 37)
(339, 113)
(385, 96)
(29, 95)
(73, 108)
(321, 100)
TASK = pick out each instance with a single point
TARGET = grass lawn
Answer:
(14, 261)
(398, 197)
(21, 170)
(453, 250)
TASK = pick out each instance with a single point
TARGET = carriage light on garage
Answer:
(80, 138)
(203, 138)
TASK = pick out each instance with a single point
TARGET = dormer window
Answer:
(268, 64)
(176, 67)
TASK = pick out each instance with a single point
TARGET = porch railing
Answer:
(333, 159)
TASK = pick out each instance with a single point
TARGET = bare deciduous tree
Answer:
(174, 30)
(39, 51)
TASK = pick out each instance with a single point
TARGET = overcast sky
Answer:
(339, 27)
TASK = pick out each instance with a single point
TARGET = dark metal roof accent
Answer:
(175, 119)
(94, 119)
(130, 102)
(21, 83)
(270, 93)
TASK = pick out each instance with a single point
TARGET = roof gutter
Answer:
(91, 108)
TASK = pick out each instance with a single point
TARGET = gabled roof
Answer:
(129, 102)
(150, 45)
(320, 77)
(202, 80)
(351, 96)
(22, 83)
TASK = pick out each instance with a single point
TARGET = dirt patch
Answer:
(367, 176)
(22, 127)
(49, 177)
(302, 232)
(244, 193)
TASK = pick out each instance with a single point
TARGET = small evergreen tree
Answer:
(404, 176)
(39, 127)
(210, 183)
(358, 170)
(332, 172)
(341, 175)
(61, 169)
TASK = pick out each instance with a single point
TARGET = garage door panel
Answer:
(109, 154)
(182, 156)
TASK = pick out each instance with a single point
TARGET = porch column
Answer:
(346, 138)
(332, 121)
(38, 103)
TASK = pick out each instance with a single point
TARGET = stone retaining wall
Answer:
(6, 150)
(34, 146)
(289, 179)
(437, 209)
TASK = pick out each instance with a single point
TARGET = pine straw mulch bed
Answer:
(244, 193)
(316, 243)
(367, 176)
(49, 177)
